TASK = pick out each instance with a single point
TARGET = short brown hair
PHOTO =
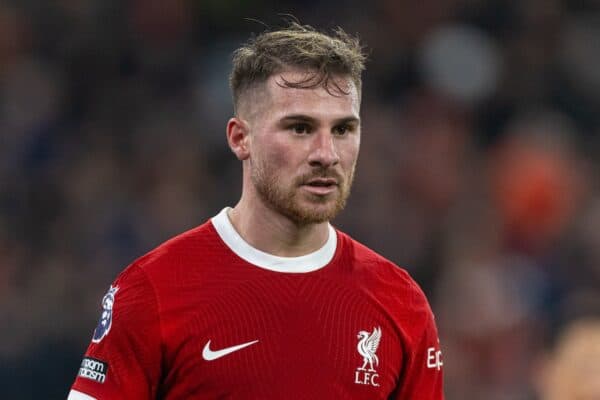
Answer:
(297, 46)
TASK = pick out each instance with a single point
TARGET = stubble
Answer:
(286, 198)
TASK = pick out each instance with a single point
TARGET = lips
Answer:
(321, 186)
(322, 182)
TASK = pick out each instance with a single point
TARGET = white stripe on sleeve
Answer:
(75, 395)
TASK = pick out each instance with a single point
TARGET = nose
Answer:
(324, 152)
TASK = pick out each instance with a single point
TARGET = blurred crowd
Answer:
(478, 170)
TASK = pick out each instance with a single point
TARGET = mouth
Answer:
(321, 186)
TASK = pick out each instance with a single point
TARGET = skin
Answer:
(572, 371)
(289, 141)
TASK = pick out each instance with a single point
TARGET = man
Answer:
(267, 300)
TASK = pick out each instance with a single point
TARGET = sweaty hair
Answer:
(297, 46)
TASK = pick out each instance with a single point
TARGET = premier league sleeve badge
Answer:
(105, 322)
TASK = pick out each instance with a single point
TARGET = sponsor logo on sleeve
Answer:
(105, 322)
(434, 358)
(93, 369)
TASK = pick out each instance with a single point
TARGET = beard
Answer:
(302, 208)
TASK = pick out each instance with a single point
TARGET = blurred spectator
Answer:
(568, 368)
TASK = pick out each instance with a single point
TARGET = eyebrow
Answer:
(311, 120)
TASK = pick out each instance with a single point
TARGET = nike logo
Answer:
(210, 355)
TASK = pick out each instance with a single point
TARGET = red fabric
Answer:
(193, 289)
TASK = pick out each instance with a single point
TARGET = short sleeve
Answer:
(123, 359)
(422, 377)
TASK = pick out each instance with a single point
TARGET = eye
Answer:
(342, 129)
(300, 128)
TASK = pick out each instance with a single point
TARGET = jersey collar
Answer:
(306, 263)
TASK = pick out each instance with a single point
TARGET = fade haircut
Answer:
(297, 46)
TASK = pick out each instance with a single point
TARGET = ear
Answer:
(238, 137)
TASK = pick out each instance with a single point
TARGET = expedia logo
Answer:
(93, 369)
(105, 322)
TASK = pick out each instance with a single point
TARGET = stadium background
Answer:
(478, 171)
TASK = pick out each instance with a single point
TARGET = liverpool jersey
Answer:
(207, 316)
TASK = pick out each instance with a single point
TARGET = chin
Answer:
(300, 207)
(312, 213)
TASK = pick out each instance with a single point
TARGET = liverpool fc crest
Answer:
(367, 348)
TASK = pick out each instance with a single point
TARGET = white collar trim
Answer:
(302, 264)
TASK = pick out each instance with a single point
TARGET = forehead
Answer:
(319, 102)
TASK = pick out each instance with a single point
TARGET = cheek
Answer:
(279, 157)
(349, 152)
(275, 154)
(286, 152)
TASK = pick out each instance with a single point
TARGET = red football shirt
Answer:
(207, 316)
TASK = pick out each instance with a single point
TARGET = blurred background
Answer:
(478, 172)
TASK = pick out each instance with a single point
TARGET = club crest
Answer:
(105, 322)
(368, 342)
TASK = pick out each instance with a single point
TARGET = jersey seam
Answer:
(407, 341)
(380, 262)
(158, 310)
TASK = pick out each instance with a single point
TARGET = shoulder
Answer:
(365, 259)
(190, 248)
(391, 288)
(381, 276)
(192, 245)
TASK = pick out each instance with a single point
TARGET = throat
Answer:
(275, 234)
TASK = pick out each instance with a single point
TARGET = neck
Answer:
(274, 233)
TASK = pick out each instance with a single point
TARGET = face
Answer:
(304, 145)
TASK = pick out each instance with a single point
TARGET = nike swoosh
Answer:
(210, 355)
